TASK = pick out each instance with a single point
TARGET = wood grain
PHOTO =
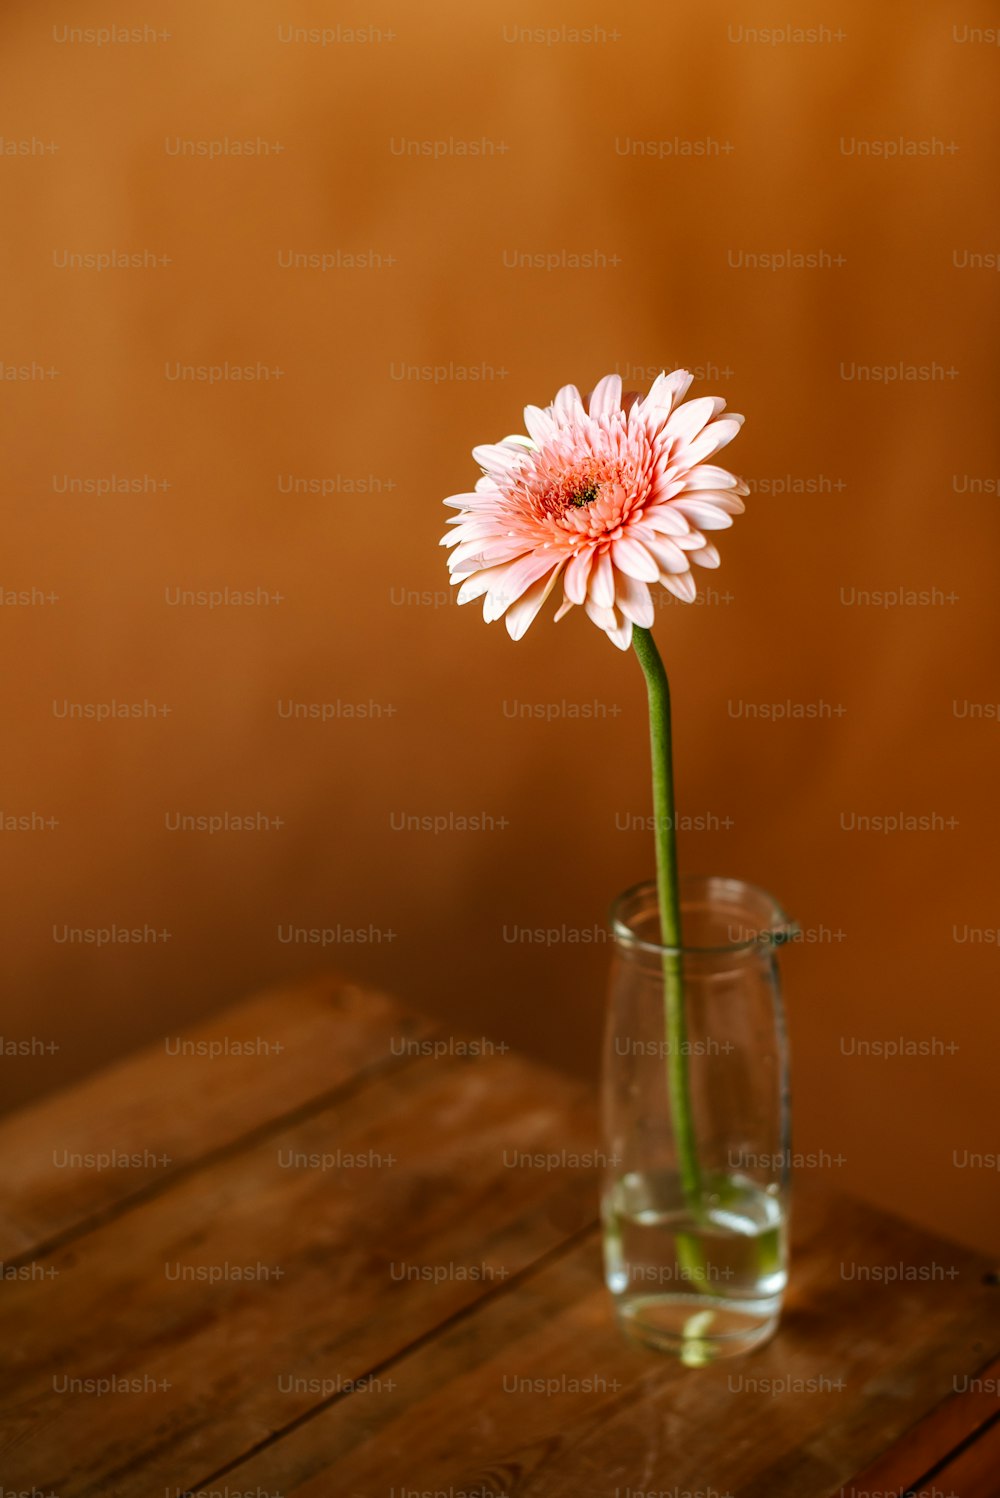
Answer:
(974, 1472)
(372, 1268)
(970, 1408)
(849, 1371)
(415, 1217)
(167, 1111)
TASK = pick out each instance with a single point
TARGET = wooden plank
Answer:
(372, 1258)
(323, 1370)
(156, 1113)
(971, 1406)
(973, 1472)
(854, 1365)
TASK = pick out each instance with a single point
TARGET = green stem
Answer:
(664, 822)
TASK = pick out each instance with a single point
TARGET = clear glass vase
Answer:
(696, 1121)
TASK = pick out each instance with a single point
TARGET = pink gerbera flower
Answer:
(609, 498)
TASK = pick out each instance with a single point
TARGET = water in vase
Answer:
(706, 1283)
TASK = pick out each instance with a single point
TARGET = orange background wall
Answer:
(859, 484)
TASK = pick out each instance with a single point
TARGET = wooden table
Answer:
(333, 1256)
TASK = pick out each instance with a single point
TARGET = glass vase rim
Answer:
(775, 933)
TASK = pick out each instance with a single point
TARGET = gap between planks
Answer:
(515, 1281)
(163, 1184)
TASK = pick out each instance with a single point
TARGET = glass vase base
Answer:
(697, 1329)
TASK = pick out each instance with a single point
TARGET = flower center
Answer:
(584, 496)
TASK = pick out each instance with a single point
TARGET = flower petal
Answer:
(668, 555)
(702, 513)
(500, 459)
(682, 584)
(621, 635)
(633, 600)
(606, 396)
(602, 581)
(472, 555)
(471, 528)
(516, 578)
(707, 476)
(688, 420)
(723, 499)
(603, 617)
(540, 424)
(479, 583)
(521, 613)
(567, 406)
(470, 501)
(631, 557)
(706, 556)
(666, 392)
(708, 442)
(618, 631)
(665, 519)
(577, 574)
